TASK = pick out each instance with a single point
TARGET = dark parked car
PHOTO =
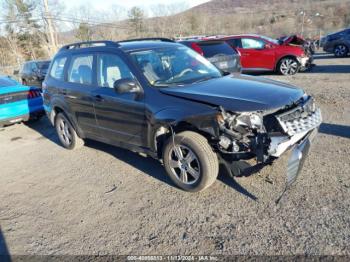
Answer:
(337, 43)
(18, 103)
(219, 53)
(261, 53)
(161, 98)
(33, 73)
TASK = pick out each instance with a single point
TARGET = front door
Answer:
(255, 55)
(120, 117)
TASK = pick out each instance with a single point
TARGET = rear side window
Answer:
(250, 43)
(80, 69)
(235, 42)
(212, 49)
(57, 68)
(110, 69)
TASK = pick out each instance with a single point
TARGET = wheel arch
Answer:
(285, 56)
(165, 130)
(59, 108)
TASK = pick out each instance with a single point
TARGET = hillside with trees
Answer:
(33, 29)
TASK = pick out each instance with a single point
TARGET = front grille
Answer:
(300, 119)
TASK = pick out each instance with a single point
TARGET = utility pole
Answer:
(47, 16)
(302, 25)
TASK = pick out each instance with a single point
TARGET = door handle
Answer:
(99, 98)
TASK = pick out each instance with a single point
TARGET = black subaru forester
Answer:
(158, 97)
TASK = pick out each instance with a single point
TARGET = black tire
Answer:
(205, 163)
(24, 82)
(341, 50)
(288, 66)
(66, 133)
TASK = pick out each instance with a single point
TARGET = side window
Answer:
(250, 43)
(111, 68)
(26, 68)
(235, 42)
(57, 68)
(80, 69)
(33, 67)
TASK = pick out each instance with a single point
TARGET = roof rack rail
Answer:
(89, 44)
(163, 39)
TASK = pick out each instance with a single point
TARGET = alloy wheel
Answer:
(64, 132)
(340, 50)
(184, 164)
(289, 67)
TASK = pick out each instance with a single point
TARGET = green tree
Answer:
(136, 19)
(84, 32)
(24, 29)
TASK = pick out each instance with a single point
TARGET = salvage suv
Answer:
(165, 100)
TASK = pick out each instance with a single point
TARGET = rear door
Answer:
(77, 92)
(120, 117)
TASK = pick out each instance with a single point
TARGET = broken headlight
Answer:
(250, 120)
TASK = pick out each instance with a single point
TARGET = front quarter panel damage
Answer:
(170, 120)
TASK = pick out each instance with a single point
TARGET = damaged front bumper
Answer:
(298, 127)
(298, 156)
(305, 62)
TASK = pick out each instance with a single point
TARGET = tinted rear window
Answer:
(212, 49)
(4, 82)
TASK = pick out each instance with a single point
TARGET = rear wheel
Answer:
(288, 66)
(190, 161)
(66, 133)
(341, 51)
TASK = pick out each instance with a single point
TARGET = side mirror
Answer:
(268, 46)
(126, 85)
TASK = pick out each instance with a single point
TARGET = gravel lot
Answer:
(105, 200)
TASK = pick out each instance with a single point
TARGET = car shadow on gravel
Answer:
(147, 165)
(45, 129)
(153, 167)
(326, 69)
(335, 130)
(4, 252)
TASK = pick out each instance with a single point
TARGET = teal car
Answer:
(18, 103)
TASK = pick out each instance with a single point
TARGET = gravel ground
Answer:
(105, 200)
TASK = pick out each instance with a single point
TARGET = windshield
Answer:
(270, 40)
(6, 81)
(174, 66)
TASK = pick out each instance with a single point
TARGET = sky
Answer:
(105, 4)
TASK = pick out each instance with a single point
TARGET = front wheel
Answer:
(66, 133)
(341, 51)
(190, 161)
(288, 66)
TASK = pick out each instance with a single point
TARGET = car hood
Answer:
(239, 93)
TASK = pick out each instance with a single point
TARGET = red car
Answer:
(261, 53)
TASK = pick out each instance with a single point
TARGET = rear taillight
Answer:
(33, 94)
(197, 48)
